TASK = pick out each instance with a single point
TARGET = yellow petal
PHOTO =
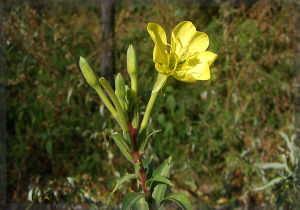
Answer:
(183, 33)
(186, 36)
(184, 76)
(198, 43)
(200, 71)
(207, 57)
(159, 37)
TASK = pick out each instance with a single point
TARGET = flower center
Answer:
(179, 60)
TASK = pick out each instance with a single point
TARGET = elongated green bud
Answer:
(120, 86)
(132, 67)
(92, 80)
(120, 89)
(88, 73)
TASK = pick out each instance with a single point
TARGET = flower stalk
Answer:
(160, 82)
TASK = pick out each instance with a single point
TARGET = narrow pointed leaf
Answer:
(141, 204)
(122, 146)
(162, 169)
(286, 139)
(159, 193)
(180, 199)
(159, 190)
(289, 145)
(271, 183)
(131, 199)
(125, 178)
(141, 138)
(144, 141)
(270, 166)
(162, 179)
(148, 164)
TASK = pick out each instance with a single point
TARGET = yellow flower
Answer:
(186, 58)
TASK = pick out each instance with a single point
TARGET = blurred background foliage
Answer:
(215, 130)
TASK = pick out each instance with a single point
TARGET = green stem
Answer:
(116, 102)
(106, 101)
(134, 84)
(148, 111)
(160, 82)
(143, 179)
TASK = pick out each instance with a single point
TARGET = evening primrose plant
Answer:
(187, 60)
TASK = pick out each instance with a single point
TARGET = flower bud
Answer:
(120, 86)
(132, 67)
(131, 61)
(88, 73)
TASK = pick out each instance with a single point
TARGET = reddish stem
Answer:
(136, 157)
(133, 135)
(143, 179)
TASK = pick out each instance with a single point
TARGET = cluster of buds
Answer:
(124, 106)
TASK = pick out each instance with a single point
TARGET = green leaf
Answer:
(163, 168)
(144, 142)
(162, 179)
(159, 190)
(122, 146)
(137, 167)
(141, 204)
(270, 166)
(127, 140)
(180, 199)
(271, 183)
(141, 138)
(160, 82)
(148, 164)
(147, 161)
(286, 139)
(131, 199)
(157, 179)
(290, 146)
(125, 178)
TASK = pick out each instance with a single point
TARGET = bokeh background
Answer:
(58, 130)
